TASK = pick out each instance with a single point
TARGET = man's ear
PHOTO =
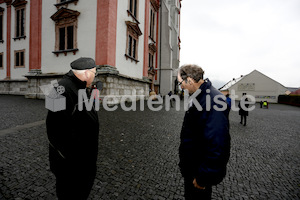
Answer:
(86, 74)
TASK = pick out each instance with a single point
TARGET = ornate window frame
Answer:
(19, 56)
(152, 24)
(1, 24)
(151, 65)
(132, 43)
(133, 10)
(20, 14)
(1, 60)
(154, 8)
(65, 18)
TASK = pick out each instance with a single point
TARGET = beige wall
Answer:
(259, 86)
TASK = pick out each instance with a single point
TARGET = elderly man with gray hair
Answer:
(204, 140)
(73, 136)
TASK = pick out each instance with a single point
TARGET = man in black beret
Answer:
(73, 136)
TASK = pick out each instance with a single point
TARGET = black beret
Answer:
(83, 63)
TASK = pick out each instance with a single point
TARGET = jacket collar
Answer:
(79, 83)
(203, 87)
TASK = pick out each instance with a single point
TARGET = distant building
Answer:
(40, 38)
(291, 90)
(296, 92)
(256, 84)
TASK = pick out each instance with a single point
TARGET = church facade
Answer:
(40, 38)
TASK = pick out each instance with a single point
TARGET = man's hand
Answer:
(197, 186)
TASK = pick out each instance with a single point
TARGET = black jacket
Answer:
(205, 141)
(73, 134)
(242, 111)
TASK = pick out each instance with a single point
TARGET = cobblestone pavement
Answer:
(138, 154)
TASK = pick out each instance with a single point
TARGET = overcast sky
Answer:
(229, 38)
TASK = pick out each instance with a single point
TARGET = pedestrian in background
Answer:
(73, 136)
(266, 104)
(228, 101)
(205, 141)
(243, 112)
(261, 104)
(171, 99)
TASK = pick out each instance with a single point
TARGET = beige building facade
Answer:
(256, 84)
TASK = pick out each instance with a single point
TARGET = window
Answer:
(151, 61)
(1, 24)
(66, 40)
(151, 64)
(20, 22)
(66, 37)
(132, 46)
(154, 7)
(20, 58)
(152, 24)
(133, 33)
(65, 31)
(20, 19)
(133, 9)
(1, 60)
(151, 70)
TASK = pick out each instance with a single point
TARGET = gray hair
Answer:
(190, 70)
(76, 71)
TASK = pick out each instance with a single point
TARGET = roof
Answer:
(297, 92)
(231, 83)
(234, 81)
(292, 89)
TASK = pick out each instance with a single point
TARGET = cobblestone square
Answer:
(138, 154)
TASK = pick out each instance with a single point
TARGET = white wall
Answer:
(3, 45)
(264, 86)
(86, 36)
(18, 73)
(129, 67)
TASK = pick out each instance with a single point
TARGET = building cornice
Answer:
(18, 3)
(155, 5)
(134, 27)
(152, 48)
(64, 13)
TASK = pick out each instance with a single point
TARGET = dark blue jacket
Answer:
(205, 141)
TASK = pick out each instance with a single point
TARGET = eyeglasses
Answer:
(180, 82)
(93, 72)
